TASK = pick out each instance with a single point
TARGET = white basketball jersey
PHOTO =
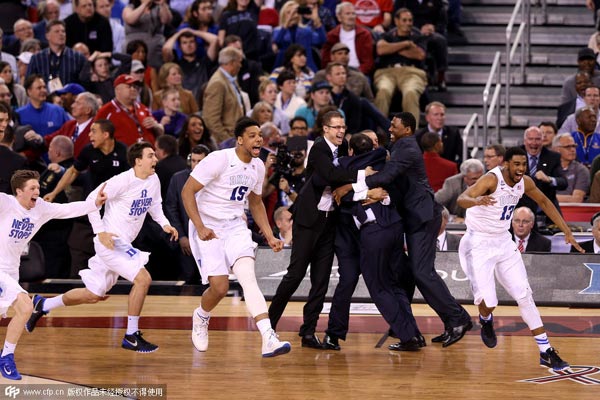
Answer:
(227, 181)
(496, 218)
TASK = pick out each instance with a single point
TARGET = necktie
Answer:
(533, 166)
(335, 153)
(76, 134)
(240, 98)
(437, 245)
(520, 247)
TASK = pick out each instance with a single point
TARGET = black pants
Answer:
(312, 246)
(421, 253)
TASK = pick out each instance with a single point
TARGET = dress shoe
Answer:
(457, 333)
(421, 340)
(312, 341)
(441, 338)
(410, 345)
(331, 343)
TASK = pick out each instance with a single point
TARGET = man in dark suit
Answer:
(9, 160)
(525, 237)
(370, 240)
(544, 168)
(422, 218)
(314, 228)
(169, 161)
(435, 115)
(592, 246)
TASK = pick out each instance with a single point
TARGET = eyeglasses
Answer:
(338, 127)
(569, 146)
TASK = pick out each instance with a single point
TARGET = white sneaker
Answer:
(200, 331)
(272, 346)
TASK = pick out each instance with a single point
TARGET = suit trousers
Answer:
(421, 252)
(312, 245)
(410, 81)
(347, 251)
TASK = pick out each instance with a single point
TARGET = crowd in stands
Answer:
(179, 74)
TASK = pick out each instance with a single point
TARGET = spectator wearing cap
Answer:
(320, 96)
(586, 61)
(68, 93)
(133, 121)
(43, 117)
(22, 62)
(592, 246)
(9, 58)
(287, 100)
(356, 39)
(83, 110)
(58, 60)
(357, 82)
(138, 71)
(223, 101)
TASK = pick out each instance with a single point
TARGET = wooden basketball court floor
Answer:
(81, 346)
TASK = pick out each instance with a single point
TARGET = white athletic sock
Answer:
(53, 302)
(255, 301)
(264, 325)
(9, 348)
(489, 317)
(542, 342)
(132, 324)
(202, 313)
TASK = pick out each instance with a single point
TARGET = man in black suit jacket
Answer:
(592, 246)
(525, 237)
(375, 249)
(422, 219)
(169, 162)
(547, 171)
(314, 228)
(435, 115)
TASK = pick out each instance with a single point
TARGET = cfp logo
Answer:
(11, 392)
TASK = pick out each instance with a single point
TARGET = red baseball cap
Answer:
(126, 79)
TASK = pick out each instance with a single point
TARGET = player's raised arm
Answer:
(477, 194)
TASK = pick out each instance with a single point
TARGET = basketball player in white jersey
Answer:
(487, 248)
(220, 240)
(132, 194)
(21, 216)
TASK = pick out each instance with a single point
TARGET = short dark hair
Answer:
(4, 108)
(106, 126)
(53, 23)
(231, 39)
(167, 143)
(290, 52)
(9, 135)
(20, 177)
(514, 151)
(30, 79)
(242, 124)
(136, 150)
(200, 149)
(429, 140)
(285, 75)
(360, 144)
(408, 120)
(330, 115)
(185, 34)
(550, 124)
(298, 118)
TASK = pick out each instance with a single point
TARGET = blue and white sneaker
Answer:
(38, 312)
(137, 343)
(551, 359)
(272, 346)
(8, 368)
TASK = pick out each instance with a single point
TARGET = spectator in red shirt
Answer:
(436, 167)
